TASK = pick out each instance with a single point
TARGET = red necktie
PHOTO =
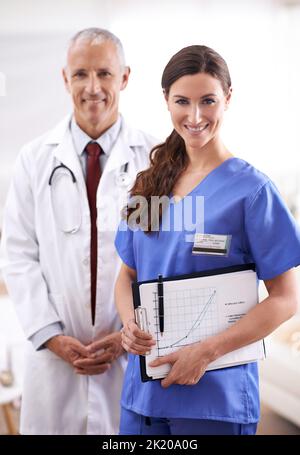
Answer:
(93, 174)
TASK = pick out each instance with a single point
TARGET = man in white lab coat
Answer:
(49, 245)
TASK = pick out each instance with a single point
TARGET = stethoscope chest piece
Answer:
(122, 177)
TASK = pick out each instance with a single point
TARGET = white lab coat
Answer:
(47, 273)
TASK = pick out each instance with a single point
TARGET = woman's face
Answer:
(197, 104)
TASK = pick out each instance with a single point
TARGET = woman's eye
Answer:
(209, 101)
(181, 101)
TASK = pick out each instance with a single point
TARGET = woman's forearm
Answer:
(123, 296)
(263, 319)
(134, 340)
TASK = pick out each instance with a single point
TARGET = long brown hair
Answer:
(169, 159)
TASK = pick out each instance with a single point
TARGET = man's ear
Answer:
(65, 78)
(125, 77)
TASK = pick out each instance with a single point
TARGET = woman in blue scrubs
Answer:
(244, 206)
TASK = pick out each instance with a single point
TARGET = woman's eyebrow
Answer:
(203, 96)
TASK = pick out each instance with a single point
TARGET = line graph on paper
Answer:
(190, 315)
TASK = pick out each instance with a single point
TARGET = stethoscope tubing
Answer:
(61, 165)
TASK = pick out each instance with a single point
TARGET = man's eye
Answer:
(79, 74)
(104, 74)
(181, 101)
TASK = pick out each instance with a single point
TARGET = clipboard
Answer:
(196, 306)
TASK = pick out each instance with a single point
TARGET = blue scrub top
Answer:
(241, 202)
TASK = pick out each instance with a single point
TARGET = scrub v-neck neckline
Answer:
(202, 181)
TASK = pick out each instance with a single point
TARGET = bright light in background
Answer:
(259, 39)
(2, 84)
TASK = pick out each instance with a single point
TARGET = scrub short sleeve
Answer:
(124, 244)
(272, 234)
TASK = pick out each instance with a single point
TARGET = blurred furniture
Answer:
(7, 396)
(280, 372)
(12, 344)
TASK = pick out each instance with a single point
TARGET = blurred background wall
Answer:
(260, 39)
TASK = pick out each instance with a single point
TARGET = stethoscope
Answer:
(122, 179)
(61, 165)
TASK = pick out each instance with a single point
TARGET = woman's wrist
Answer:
(209, 349)
(126, 322)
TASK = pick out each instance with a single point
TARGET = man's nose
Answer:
(195, 114)
(93, 84)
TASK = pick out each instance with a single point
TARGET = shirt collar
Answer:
(106, 140)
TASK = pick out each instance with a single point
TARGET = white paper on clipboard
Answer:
(195, 309)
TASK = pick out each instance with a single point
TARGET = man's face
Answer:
(94, 77)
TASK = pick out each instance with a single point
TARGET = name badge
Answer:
(212, 244)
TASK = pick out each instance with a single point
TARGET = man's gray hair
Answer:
(98, 35)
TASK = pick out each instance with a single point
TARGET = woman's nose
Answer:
(195, 115)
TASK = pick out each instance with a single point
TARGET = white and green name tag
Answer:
(212, 244)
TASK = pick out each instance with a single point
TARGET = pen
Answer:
(160, 292)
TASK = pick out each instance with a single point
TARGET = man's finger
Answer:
(80, 349)
(98, 345)
(93, 370)
(86, 362)
(97, 352)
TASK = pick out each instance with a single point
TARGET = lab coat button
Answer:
(86, 261)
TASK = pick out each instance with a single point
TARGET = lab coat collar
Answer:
(131, 135)
(65, 151)
(123, 150)
(57, 134)
(121, 153)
